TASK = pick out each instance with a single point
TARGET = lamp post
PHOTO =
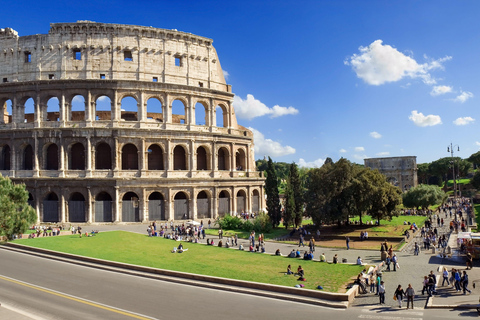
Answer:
(450, 149)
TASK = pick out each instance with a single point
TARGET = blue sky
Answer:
(317, 79)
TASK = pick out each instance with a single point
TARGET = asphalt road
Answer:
(39, 288)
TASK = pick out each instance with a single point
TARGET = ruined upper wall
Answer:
(90, 50)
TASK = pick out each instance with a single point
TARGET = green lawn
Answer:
(396, 221)
(155, 252)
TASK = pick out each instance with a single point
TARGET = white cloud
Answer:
(360, 156)
(226, 74)
(375, 135)
(268, 147)
(342, 151)
(314, 164)
(252, 108)
(464, 96)
(424, 121)
(463, 121)
(359, 149)
(383, 154)
(438, 90)
(378, 64)
(477, 143)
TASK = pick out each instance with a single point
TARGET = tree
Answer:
(16, 215)
(271, 190)
(423, 173)
(475, 159)
(295, 185)
(289, 207)
(423, 196)
(475, 181)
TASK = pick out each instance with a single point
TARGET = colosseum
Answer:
(122, 123)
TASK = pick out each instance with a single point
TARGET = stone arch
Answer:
(155, 157)
(241, 201)
(202, 159)
(52, 112)
(27, 159)
(129, 107)
(223, 203)
(203, 205)
(76, 208)
(5, 158)
(130, 207)
(223, 159)
(155, 109)
(28, 109)
(103, 207)
(179, 111)
(76, 108)
(256, 201)
(6, 111)
(103, 107)
(77, 157)
(181, 206)
(50, 208)
(129, 157)
(221, 113)
(103, 156)
(240, 160)
(156, 206)
(51, 157)
(201, 114)
(179, 158)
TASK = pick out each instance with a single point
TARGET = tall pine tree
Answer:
(271, 190)
(295, 185)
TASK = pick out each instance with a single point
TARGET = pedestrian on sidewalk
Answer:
(425, 285)
(399, 293)
(445, 276)
(347, 240)
(465, 283)
(381, 292)
(410, 293)
(300, 241)
(457, 280)
(395, 262)
(416, 249)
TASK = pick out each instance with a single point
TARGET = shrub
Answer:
(230, 223)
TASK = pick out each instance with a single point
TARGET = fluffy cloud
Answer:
(438, 90)
(378, 64)
(359, 149)
(464, 96)
(252, 108)
(424, 121)
(375, 135)
(477, 143)
(268, 147)
(226, 74)
(314, 164)
(383, 154)
(342, 151)
(463, 121)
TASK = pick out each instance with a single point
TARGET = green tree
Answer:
(423, 196)
(289, 207)
(475, 181)
(475, 159)
(16, 215)
(295, 186)
(423, 173)
(271, 190)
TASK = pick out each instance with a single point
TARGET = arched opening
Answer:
(181, 206)
(103, 207)
(77, 157)
(76, 208)
(255, 201)
(77, 109)
(130, 207)
(5, 158)
(241, 201)
(7, 115)
(156, 206)
(202, 163)
(27, 161)
(155, 157)
(179, 158)
(53, 110)
(223, 203)
(129, 109)
(103, 108)
(52, 157)
(103, 156)
(154, 110)
(203, 205)
(223, 159)
(50, 208)
(31, 200)
(178, 112)
(221, 117)
(240, 160)
(29, 110)
(201, 118)
(129, 157)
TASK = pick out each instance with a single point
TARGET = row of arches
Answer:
(180, 110)
(156, 158)
(132, 210)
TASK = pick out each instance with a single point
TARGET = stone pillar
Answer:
(191, 111)
(116, 202)
(232, 157)
(193, 204)
(36, 169)
(167, 110)
(115, 155)
(13, 162)
(234, 201)
(116, 108)
(141, 107)
(143, 155)
(89, 156)
(214, 158)
(62, 160)
(169, 154)
(63, 214)
(214, 204)
(192, 157)
(90, 203)
(168, 205)
(64, 110)
(37, 206)
(89, 109)
(38, 114)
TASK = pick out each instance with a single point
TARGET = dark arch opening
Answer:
(202, 159)
(27, 163)
(129, 157)
(52, 157)
(103, 156)
(155, 196)
(130, 207)
(103, 196)
(5, 158)
(77, 157)
(77, 196)
(155, 157)
(223, 163)
(179, 158)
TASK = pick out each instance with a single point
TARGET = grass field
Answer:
(155, 252)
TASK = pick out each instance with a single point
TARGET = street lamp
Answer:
(450, 149)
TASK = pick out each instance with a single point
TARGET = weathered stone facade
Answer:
(400, 171)
(94, 165)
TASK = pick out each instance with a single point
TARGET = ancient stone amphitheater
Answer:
(122, 123)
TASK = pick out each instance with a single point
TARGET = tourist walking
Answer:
(410, 293)
(395, 262)
(465, 283)
(416, 249)
(398, 295)
(381, 292)
(445, 277)
(347, 240)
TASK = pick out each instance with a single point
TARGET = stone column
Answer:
(169, 153)
(191, 111)
(167, 110)
(90, 203)
(37, 206)
(36, 169)
(194, 204)
(62, 160)
(192, 157)
(143, 156)
(116, 202)
(115, 155)
(64, 110)
(214, 158)
(63, 214)
(13, 161)
(168, 205)
(116, 112)
(89, 156)
(89, 109)
(141, 107)
(214, 204)
(234, 200)
(232, 157)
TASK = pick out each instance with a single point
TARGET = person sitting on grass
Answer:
(289, 270)
(240, 247)
(359, 261)
(322, 258)
(262, 249)
(297, 254)
(220, 244)
(181, 249)
(277, 253)
(174, 250)
(292, 254)
(301, 273)
(335, 259)
(251, 249)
